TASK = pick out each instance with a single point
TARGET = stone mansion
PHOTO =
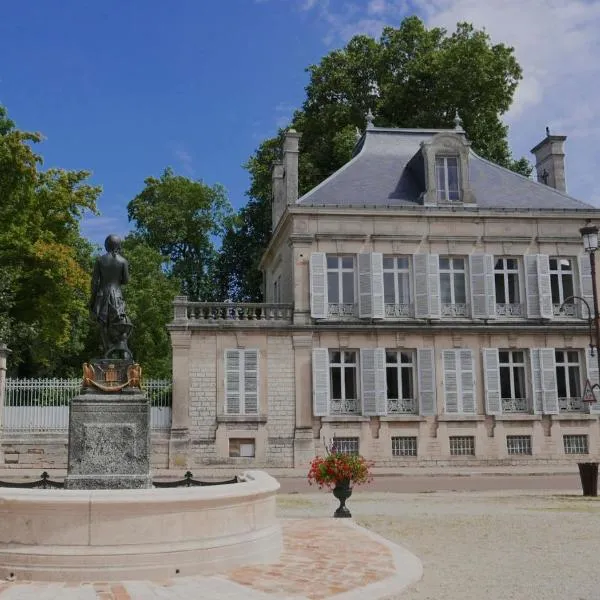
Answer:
(415, 310)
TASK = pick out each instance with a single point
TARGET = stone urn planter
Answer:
(342, 491)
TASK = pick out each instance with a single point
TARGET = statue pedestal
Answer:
(109, 441)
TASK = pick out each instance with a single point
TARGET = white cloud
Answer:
(184, 158)
(557, 43)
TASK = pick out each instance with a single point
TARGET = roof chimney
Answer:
(278, 199)
(550, 161)
(290, 165)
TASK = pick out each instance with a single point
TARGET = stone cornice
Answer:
(342, 237)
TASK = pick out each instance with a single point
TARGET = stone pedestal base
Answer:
(109, 442)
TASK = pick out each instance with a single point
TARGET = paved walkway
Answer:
(322, 559)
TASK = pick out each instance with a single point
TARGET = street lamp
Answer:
(589, 471)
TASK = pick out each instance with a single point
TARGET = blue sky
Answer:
(126, 88)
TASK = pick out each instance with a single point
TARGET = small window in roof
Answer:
(447, 178)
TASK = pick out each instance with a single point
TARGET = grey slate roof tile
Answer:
(387, 170)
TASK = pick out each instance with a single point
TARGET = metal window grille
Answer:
(518, 444)
(576, 444)
(404, 446)
(346, 445)
(42, 405)
(462, 445)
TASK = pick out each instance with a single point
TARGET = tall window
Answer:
(506, 277)
(400, 378)
(343, 373)
(561, 284)
(446, 173)
(513, 387)
(568, 380)
(340, 284)
(396, 286)
(453, 286)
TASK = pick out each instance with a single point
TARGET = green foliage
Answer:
(43, 256)
(180, 218)
(149, 297)
(411, 77)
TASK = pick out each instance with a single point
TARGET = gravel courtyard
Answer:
(482, 545)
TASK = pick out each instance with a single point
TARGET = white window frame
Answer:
(344, 308)
(570, 402)
(347, 406)
(402, 405)
(569, 310)
(510, 309)
(454, 308)
(511, 365)
(441, 164)
(400, 306)
(242, 374)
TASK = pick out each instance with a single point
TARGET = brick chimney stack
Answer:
(550, 161)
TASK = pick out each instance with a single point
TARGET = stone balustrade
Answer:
(209, 313)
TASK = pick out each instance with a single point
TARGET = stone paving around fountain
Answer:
(322, 559)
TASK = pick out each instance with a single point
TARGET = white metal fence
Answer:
(42, 405)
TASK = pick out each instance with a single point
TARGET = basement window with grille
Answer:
(518, 444)
(462, 445)
(576, 444)
(346, 445)
(404, 446)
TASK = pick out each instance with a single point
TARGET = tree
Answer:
(149, 300)
(43, 256)
(180, 218)
(411, 77)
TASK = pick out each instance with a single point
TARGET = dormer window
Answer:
(446, 173)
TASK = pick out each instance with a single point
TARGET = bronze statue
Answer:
(111, 271)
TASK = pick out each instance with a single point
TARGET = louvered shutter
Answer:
(427, 286)
(536, 381)
(365, 286)
(451, 375)
(320, 371)
(591, 365)
(250, 382)
(491, 379)
(435, 305)
(372, 371)
(548, 376)
(532, 286)
(319, 305)
(483, 292)
(467, 382)
(544, 289)
(233, 396)
(377, 285)
(426, 374)
(585, 278)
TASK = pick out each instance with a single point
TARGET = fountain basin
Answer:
(109, 535)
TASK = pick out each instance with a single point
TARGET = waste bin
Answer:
(588, 473)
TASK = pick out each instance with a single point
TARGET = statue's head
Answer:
(112, 243)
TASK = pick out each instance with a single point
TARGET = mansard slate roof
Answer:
(388, 170)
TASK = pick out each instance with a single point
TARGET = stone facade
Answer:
(485, 375)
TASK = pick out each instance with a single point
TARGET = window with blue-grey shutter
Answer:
(320, 372)
(491, 379)
(373, 384)
(585, 280)
(427, 286)
(427, 385)
(319, 305)
(241, 382)
(459, 381)
(370, 285)
(545, 391)
(537, 286)
(591, 364)
(483, 289)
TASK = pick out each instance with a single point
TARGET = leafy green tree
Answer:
(149, 298)
(42, 254)
(411, 77)
(181, 218)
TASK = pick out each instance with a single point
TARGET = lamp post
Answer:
(588, 471)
